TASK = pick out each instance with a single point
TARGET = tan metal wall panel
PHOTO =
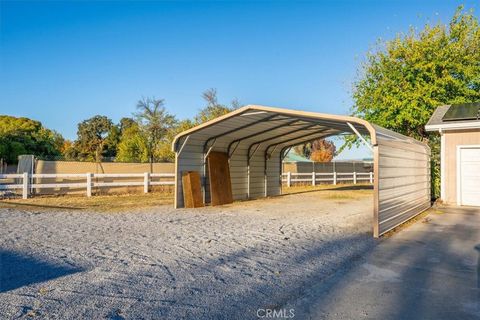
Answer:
(452, 140)
(403, 186)
(274, 187)
(238, 174)
(257, 185)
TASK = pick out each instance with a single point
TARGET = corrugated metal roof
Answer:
(281, 127)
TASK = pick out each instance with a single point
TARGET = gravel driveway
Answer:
(210, 263)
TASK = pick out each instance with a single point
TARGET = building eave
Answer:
(453, 126)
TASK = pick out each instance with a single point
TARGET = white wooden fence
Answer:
(333, 177)
(26, 181)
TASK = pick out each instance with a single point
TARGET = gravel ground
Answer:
(210, 263)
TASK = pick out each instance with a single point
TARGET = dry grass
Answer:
(100, 203)
(334, 192)
(127, 202)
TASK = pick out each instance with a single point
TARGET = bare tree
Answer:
(213, 109)
(210, 96)
(155, 122)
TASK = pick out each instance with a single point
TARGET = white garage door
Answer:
(469, 184)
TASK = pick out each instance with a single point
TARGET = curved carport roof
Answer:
(256, 138)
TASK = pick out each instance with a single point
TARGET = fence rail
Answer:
(334, 177)
(25, 181)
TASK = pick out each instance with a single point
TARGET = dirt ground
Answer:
(157, 262)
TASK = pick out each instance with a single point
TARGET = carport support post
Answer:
(313, 178)
(89, 184)
(289, 179)
(376, 176)
(25, 186)
(146, 180)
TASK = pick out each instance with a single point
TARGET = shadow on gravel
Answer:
(273, 292)
(18, 270)
(428, 271)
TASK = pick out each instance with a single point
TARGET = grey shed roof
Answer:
(437, 116)
(436, 121)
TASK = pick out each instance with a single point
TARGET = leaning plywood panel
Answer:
(403, 182)
(192, 190)
(219, 178)
(194, 163)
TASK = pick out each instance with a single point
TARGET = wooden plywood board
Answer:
(219, 177)
(192, 190)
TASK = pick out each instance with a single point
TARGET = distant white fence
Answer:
(291, 178)
(25, 181)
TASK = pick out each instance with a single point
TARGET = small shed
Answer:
(256, 138)
(459, 128)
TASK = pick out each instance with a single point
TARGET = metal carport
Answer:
(256, 139)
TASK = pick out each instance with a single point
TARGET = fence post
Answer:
(89, 184)
(146, 181)
(354, 178)
(335, 177)
(313, 178)
(25, 186)
(289, 179)
(371, 177)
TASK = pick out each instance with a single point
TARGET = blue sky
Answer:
(63, 62)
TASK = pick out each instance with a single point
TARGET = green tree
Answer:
(155, 122)
(111, 142)
(133, 145)
(164, 152)
(403, 80)
(126, 123)
(213, 109)
(91, 137)
(26, 136)
(69, 152)
(406, 78)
